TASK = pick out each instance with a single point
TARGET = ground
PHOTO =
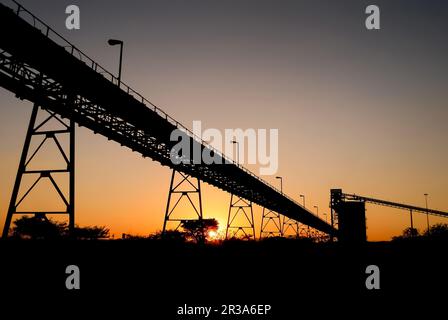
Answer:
(155, 278)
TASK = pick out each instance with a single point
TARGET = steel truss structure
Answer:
(39, 65)
(290, 226)
(271, 225)
(337, 196)
(37, 129)
(240, 221)
(181, 189)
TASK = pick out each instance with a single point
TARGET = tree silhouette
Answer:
(169, 235)
(408, 233)
(439, 230)
(198, 230)
(40, 227)
(91, 233)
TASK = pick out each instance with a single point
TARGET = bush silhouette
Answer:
(198, 230)
(40, 227)
(439, 230)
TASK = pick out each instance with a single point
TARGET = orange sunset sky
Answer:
(358, 110)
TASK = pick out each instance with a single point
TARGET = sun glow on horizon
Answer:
(213, 234)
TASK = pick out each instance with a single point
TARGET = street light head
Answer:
(301, 195)
(113, 42)
(278, 177)
(234, 141)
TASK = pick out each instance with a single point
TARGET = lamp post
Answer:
(114, 42)
(282, 225)
(317, 209)
(303, 196)
(281, 183)
(237, 151)
(427, 213)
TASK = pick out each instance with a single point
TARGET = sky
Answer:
(357, 109)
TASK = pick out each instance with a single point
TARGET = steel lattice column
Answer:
(271, 225)
(290, 225)
(183, 188)
(240, 221)
(36, 129)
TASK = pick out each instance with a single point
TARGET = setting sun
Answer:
(212, 235)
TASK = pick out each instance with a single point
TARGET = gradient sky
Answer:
(365, 111)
